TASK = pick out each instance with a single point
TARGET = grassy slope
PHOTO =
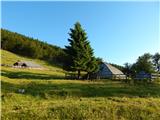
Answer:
(9, 58)
(48, 98)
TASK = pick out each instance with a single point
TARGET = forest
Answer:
(30, 47)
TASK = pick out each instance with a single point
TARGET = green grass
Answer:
(10, 58)
(76, 100)
(49, 97)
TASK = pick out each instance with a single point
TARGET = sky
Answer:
(118, 31)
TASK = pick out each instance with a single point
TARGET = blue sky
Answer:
(119, 32)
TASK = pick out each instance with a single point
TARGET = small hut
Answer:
(143, 75)
(26, 64)
(108, 71)
(20, 64)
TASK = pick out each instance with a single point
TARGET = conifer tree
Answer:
(79, 51)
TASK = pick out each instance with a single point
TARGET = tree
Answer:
(99, 60)
(144, 63)
(92, 67)
(156, 61)
(127, 68)
(79, 51)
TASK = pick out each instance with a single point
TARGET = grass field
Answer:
(9, 58)
(48, 96)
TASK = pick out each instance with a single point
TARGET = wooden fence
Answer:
(96, 76)
(155, 75)
(152, 76)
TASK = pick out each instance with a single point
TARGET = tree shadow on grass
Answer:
(29, 75)
(51, 90)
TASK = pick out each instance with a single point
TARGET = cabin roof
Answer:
(113, 69)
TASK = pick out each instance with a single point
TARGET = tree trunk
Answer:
(79, 73)
(87, 76)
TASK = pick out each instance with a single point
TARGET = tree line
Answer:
(33, 48)
(147, 62)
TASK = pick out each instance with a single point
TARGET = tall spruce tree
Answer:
(79, 51)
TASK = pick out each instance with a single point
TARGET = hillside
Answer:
(30, 47)
(48, 96)
(9, 58)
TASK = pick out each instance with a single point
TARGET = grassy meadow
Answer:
(48, 96)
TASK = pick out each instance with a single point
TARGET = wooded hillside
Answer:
(30, 47)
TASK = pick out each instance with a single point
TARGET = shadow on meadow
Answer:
(47, 89)
(29, 75)
(50, 89)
